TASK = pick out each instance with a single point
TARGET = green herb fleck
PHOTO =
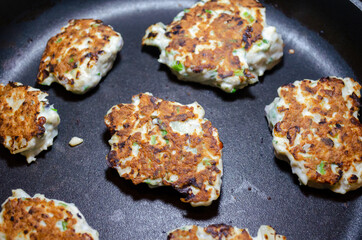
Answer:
(59, 40)
(95, 25)
(207, 161)
(164, 133)
(177, 66)
(233, 91)
(64, 225)
(208, 11)
(248, 16)
(265, 41)
(320, 168)
(167, 141)
(135, 144)
(186, 10)
(148, 181)
(239, 72)
(63, 204)
(270, 60)
(178, 109)
(153, 139)
(71, 60)
(54, 109)
(234, 51)
(86, 88)
(98, 74)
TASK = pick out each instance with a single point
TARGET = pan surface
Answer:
(257, 188)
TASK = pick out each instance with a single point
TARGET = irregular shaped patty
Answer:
(25, 217)
(224, 43)
(316, 129)
(222, 232)
(28, 124)
(80, 55)
(165, 143)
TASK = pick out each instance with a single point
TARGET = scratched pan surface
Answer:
(257, 188)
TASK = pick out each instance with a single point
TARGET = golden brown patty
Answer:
(222, 232)
(23, 217)
(165, 143)
(212, 43)
(71, 57)
(318, 130)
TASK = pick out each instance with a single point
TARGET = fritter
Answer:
(25, 217)
(316, 129)
(28, 124)
(222, 232)
(225, 43)
(164, 143)
(80, 55)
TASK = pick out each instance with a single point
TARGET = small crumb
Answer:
(269, 198)
(291, 51)
(249, 188)
(75, 141)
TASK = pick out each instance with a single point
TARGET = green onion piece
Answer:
(86, 88)
(64, 225)
(207, 161)
(98, 74)
(177, 66)
(164, 133)
(234, 51)
(239, 72)
(167, 141)
(320, 168)
(208, 11)
(233, 91)
(54, 109)
(186, 10)
(270, 60)
(246, 14)
(63, 204)
(265, 41)
(178, 109)
(153, 139)
(135, 144)
(59, 40)
(95, 25)
(71, 60)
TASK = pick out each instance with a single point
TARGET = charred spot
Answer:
(247, 73)
(197, 69)
(277, 127)
(100, 52)
(121, 145)
(218, 230)
(111, 157)
(176, 32)
(355, 121)
(353, 179)
(227, 74)
(126, 125)
(152, 35)
(26, 232)
(177, 27)
(12, 218)
(168, 34)
(180, 117)
(323, 121)
(181, 42)
(327, 141)
(324, 79)
(338, 126)
(308, 89)
(88, 55)
(291, 85)
(79, 216)
(51, 67)
(355, 98)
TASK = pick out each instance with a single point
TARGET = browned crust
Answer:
(17, 219)
(232, 30)
(157, 161)
(24, 122)
(217, 231)
(74, 34)
(346, 130)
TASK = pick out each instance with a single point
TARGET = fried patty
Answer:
(222, 232)
(315, 127)
(80, 55)
(164, 143)
(28, 124)
(225, 43)
(25, 217)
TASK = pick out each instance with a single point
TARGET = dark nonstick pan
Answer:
(257, 188)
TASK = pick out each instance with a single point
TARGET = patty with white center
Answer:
(222, 232)
(316, 129)
(80, 55)
(225, 43)
(24, 218)
(28, 124)
(164, 143)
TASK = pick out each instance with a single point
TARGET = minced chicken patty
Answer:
(80, 55)
(316, 129)
(224, 43)
(27, 218)
(222, 232)
(28, 124)
(164, 143)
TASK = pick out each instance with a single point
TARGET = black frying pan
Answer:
(257, 188)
